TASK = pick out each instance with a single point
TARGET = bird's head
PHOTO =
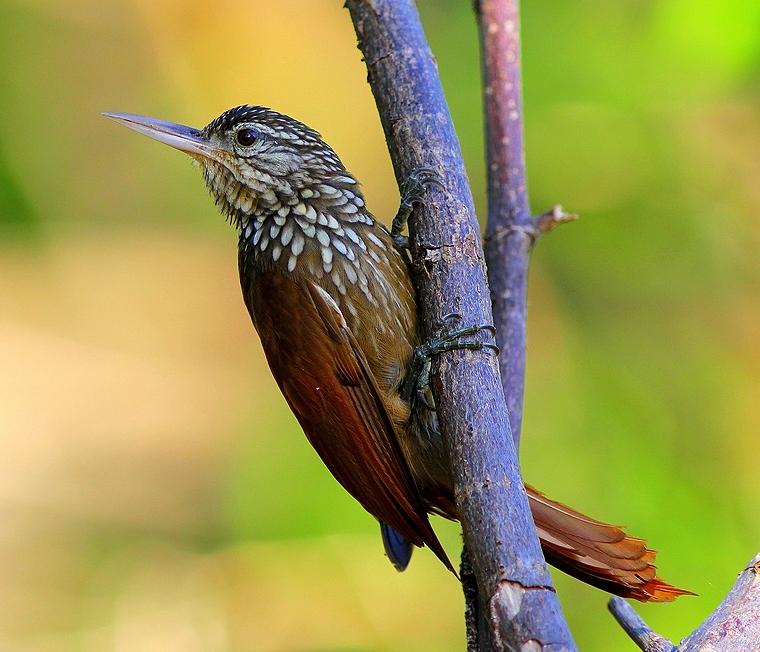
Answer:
(255, 161)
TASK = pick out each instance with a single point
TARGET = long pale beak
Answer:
(185, 139)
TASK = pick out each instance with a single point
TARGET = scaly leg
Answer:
(444, 339)
(413, 192)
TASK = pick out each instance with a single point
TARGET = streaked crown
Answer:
(267, 162)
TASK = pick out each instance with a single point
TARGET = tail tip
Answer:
(656, 590)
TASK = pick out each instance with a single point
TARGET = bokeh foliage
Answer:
(155, 493)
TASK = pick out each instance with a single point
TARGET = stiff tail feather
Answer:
(599, 554)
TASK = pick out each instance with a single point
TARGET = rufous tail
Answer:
(599, 554)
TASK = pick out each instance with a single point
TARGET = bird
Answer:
(331, 296)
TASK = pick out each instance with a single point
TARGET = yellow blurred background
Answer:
(155, 492)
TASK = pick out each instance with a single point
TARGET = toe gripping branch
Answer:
(413, 192)
(445, 338)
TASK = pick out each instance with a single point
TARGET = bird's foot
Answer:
(413, 192)
(445, 338)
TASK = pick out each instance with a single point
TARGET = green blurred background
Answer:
(156, 494)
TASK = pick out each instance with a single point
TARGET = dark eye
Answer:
(246, 137)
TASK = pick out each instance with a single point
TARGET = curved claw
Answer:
(425, 176)
(489, 345)
(488, 327)
(411, 199)
(413, 192)
(425, 397)
(446, 319)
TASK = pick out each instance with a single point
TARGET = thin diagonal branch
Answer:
(637, 629)
(734, 626)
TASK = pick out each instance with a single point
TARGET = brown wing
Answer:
(324, 377)
(597, 553)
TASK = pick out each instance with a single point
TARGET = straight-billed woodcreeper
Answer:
(331, 296)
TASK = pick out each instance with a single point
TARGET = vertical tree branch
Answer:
(477, 627)
(511, 230)
(509, 235)
(512, 578)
